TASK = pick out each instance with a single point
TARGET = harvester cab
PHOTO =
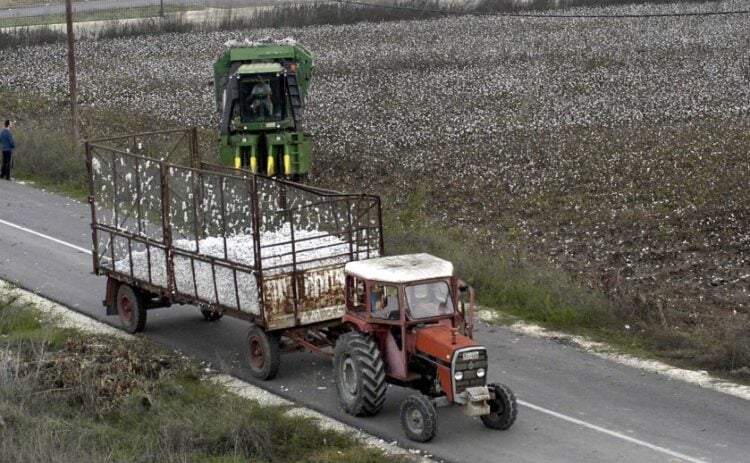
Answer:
(409, 325)
(259, 90)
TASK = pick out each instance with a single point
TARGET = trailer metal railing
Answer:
(190, 232)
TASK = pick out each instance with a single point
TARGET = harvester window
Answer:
(260, 99)
(384, 302)
(429, 300)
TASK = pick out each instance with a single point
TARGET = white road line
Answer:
(521, 402)
(611, 433)
(42, 235)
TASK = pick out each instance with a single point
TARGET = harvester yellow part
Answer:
(287, 162)
(237, 159)
(271, 166)
(254, 164)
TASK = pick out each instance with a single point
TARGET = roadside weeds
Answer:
(62, 318)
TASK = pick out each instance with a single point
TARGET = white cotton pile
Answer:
(276, 256)
(233, 43)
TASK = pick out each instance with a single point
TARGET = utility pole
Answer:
(72, 74)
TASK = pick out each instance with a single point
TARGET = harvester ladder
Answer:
(295, 98)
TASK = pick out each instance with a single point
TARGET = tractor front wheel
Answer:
(130, 308)
(263, 355)
(503, 407)
(419, 418)
(360, 374)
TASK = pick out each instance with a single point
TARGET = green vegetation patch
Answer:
(94, 15)
(45, 154)
(67, 396)
(509, 283)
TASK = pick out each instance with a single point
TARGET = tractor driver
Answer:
(376, 300)
(384, 302)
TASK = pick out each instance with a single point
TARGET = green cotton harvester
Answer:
(260, 88)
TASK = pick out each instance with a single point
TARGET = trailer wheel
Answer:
(263, 354)
(360, 374)
(419, 418)
(211, 315)
(503, 407)
(130, 308)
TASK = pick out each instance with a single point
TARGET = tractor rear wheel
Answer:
(263, 355)
(419, 418)
(360, 374)
(130, 308)
(503, 407)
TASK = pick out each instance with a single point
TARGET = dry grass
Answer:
(66, 396)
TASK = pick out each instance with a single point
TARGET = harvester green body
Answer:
(260, 89)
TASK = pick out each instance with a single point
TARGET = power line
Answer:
(542, 15)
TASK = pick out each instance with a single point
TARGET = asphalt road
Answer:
(575, 407)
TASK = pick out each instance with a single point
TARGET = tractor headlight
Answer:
(481, 373)
(459, 375)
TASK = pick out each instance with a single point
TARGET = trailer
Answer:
(303, 265)
(265, 250)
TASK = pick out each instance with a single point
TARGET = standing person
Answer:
(7, 144)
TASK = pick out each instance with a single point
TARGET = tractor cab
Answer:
(408, 290)
(409, 303)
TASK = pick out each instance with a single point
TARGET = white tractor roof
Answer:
(401, 269)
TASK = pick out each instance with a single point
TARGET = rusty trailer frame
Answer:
(180, 231)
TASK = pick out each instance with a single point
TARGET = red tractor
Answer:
(406, 325)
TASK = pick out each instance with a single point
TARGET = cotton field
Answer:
(615, 148)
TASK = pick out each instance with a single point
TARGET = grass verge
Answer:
(67, 396)
(45, 154)
(513, 284)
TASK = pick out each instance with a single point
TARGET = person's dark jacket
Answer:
(6, 140)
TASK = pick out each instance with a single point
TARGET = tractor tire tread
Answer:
(429, 418)
(505, 420)
(372, 369)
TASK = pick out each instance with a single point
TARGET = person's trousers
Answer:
(5, 171)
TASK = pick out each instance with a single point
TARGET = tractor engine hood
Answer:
(438, 342)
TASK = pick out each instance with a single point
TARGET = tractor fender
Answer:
(352, 323)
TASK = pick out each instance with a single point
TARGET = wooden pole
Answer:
(72, 74)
